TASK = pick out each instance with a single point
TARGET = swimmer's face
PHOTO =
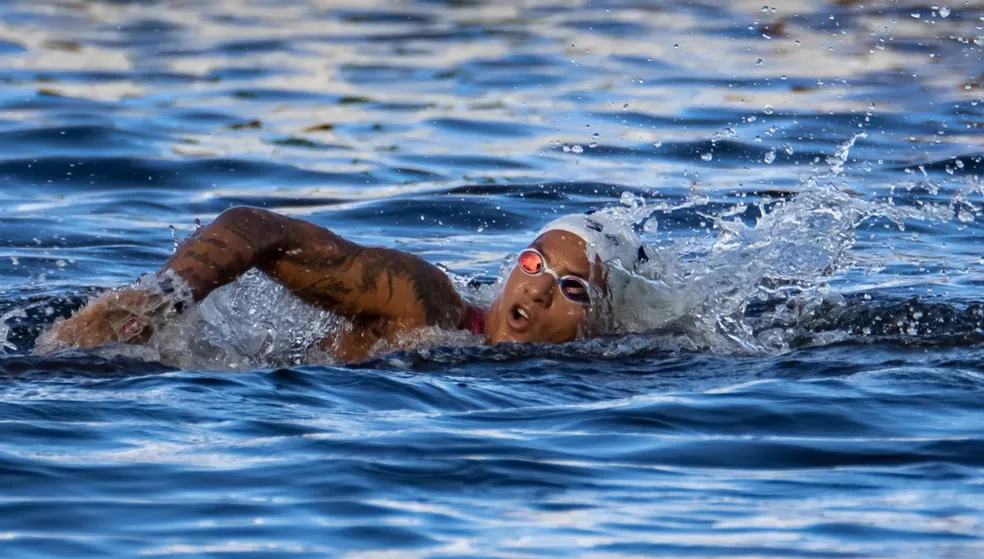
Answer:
(532, 308)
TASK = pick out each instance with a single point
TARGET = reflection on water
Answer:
(807, 175)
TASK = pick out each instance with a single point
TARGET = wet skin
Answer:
(532, 308)
(384, 292)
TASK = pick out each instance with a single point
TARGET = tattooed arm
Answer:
(384, 291)
(319, 266)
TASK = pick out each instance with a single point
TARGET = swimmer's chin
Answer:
(502, 338)
(508, 337)
(498, 335)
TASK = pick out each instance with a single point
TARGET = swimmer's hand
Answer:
(121, 317)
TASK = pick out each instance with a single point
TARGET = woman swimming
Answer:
(384, 292)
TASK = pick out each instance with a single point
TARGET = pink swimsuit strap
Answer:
(474, 320)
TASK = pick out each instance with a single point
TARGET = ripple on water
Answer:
(826, 413)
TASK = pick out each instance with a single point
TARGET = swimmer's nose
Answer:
(540, 289)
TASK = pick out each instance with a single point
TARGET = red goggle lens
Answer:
(531, 262)
(573, 288)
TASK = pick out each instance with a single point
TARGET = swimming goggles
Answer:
(573, 288)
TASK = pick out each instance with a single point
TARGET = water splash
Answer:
(252, 321)
(5, 344)
(692, 293)
(839, 158)
(699, 289)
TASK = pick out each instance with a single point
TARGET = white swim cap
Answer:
(606, 237)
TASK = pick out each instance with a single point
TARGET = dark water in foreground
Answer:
(825, 400)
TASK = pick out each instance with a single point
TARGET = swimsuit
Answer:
(474, 320)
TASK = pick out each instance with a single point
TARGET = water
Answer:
(796, 372)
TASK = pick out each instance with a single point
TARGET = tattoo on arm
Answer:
(357, 281)
(239, 239)
(430, 287)
(318, 266)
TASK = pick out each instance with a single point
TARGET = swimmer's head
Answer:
(549, 293)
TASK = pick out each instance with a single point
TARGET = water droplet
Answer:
(788, 149)
(593, 145)
(767, 110)
(751, 118)
(657, 144)
(769, 157)
(758, 62)
(632, 200)
(916, 15)
(724, 134)
(595, 135)
(576, 148)
(959, 164)
(174, 237)
(625, 107)
(765, 9)
(707, 156)
(944, 12)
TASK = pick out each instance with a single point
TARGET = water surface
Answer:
(808, 176)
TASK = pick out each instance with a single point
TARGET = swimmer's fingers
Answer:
(87, 328)
(116, 317)
(131, 315)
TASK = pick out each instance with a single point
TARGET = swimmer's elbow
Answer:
(263, 229)
(247, 215)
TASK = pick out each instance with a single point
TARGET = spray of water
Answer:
(693, 293)
(5, 328)
(702, 287)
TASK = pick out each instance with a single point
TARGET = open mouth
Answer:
(519, 318)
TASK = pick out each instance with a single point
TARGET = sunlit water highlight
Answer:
(795, 372)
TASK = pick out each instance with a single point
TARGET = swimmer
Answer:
(383, 292)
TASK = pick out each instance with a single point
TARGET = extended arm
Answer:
(318, 266)
(383, 290)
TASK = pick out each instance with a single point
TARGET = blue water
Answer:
(842, 418)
